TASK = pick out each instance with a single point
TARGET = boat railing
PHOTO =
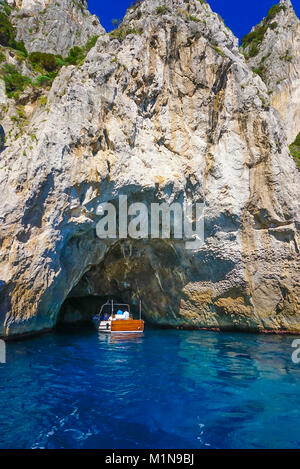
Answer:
(114, 306)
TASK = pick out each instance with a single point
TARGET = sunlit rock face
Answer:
(171, 112)
(29, 4)
(52, 26)
(278, 62)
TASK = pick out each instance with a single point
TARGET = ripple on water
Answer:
(168, 389)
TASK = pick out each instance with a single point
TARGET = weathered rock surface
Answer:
(171, 113)
(55, 27)
(278, 62)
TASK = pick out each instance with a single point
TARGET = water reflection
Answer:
(163, 389)
(116, 338)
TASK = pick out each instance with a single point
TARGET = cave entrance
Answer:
(151, 271)
(81, 310)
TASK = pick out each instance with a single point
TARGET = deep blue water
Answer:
(169, 389)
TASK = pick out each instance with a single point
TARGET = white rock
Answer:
(169, 114)
(279, 55)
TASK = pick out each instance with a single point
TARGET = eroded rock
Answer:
(171, 112)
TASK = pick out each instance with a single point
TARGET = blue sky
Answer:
(239, 15)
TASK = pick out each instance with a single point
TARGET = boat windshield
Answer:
(116, 308)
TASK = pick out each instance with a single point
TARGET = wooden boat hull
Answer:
(129, 325)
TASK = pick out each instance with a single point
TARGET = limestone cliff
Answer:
(272, 50)
(52, 26)
(163, 109)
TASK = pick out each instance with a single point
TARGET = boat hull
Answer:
(130, 325)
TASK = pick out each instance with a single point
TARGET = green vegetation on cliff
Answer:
(42, 61)
(161, 10)
(14, 81)
(8, 34)
(295, 150)
(121, 32)
(255, 37)
(44, 65)
(274, 10)
(77, 54)
(5, 7)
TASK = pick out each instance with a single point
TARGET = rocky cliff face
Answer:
(54, 27)
(163, 109)
(273, 51)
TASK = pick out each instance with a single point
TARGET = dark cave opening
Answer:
(129, 272)
(161, 274)
(81, 310)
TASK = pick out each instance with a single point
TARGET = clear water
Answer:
(169, 389)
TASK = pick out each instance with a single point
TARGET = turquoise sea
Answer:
(167, 389)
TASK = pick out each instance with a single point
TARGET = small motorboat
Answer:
(116, 318)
